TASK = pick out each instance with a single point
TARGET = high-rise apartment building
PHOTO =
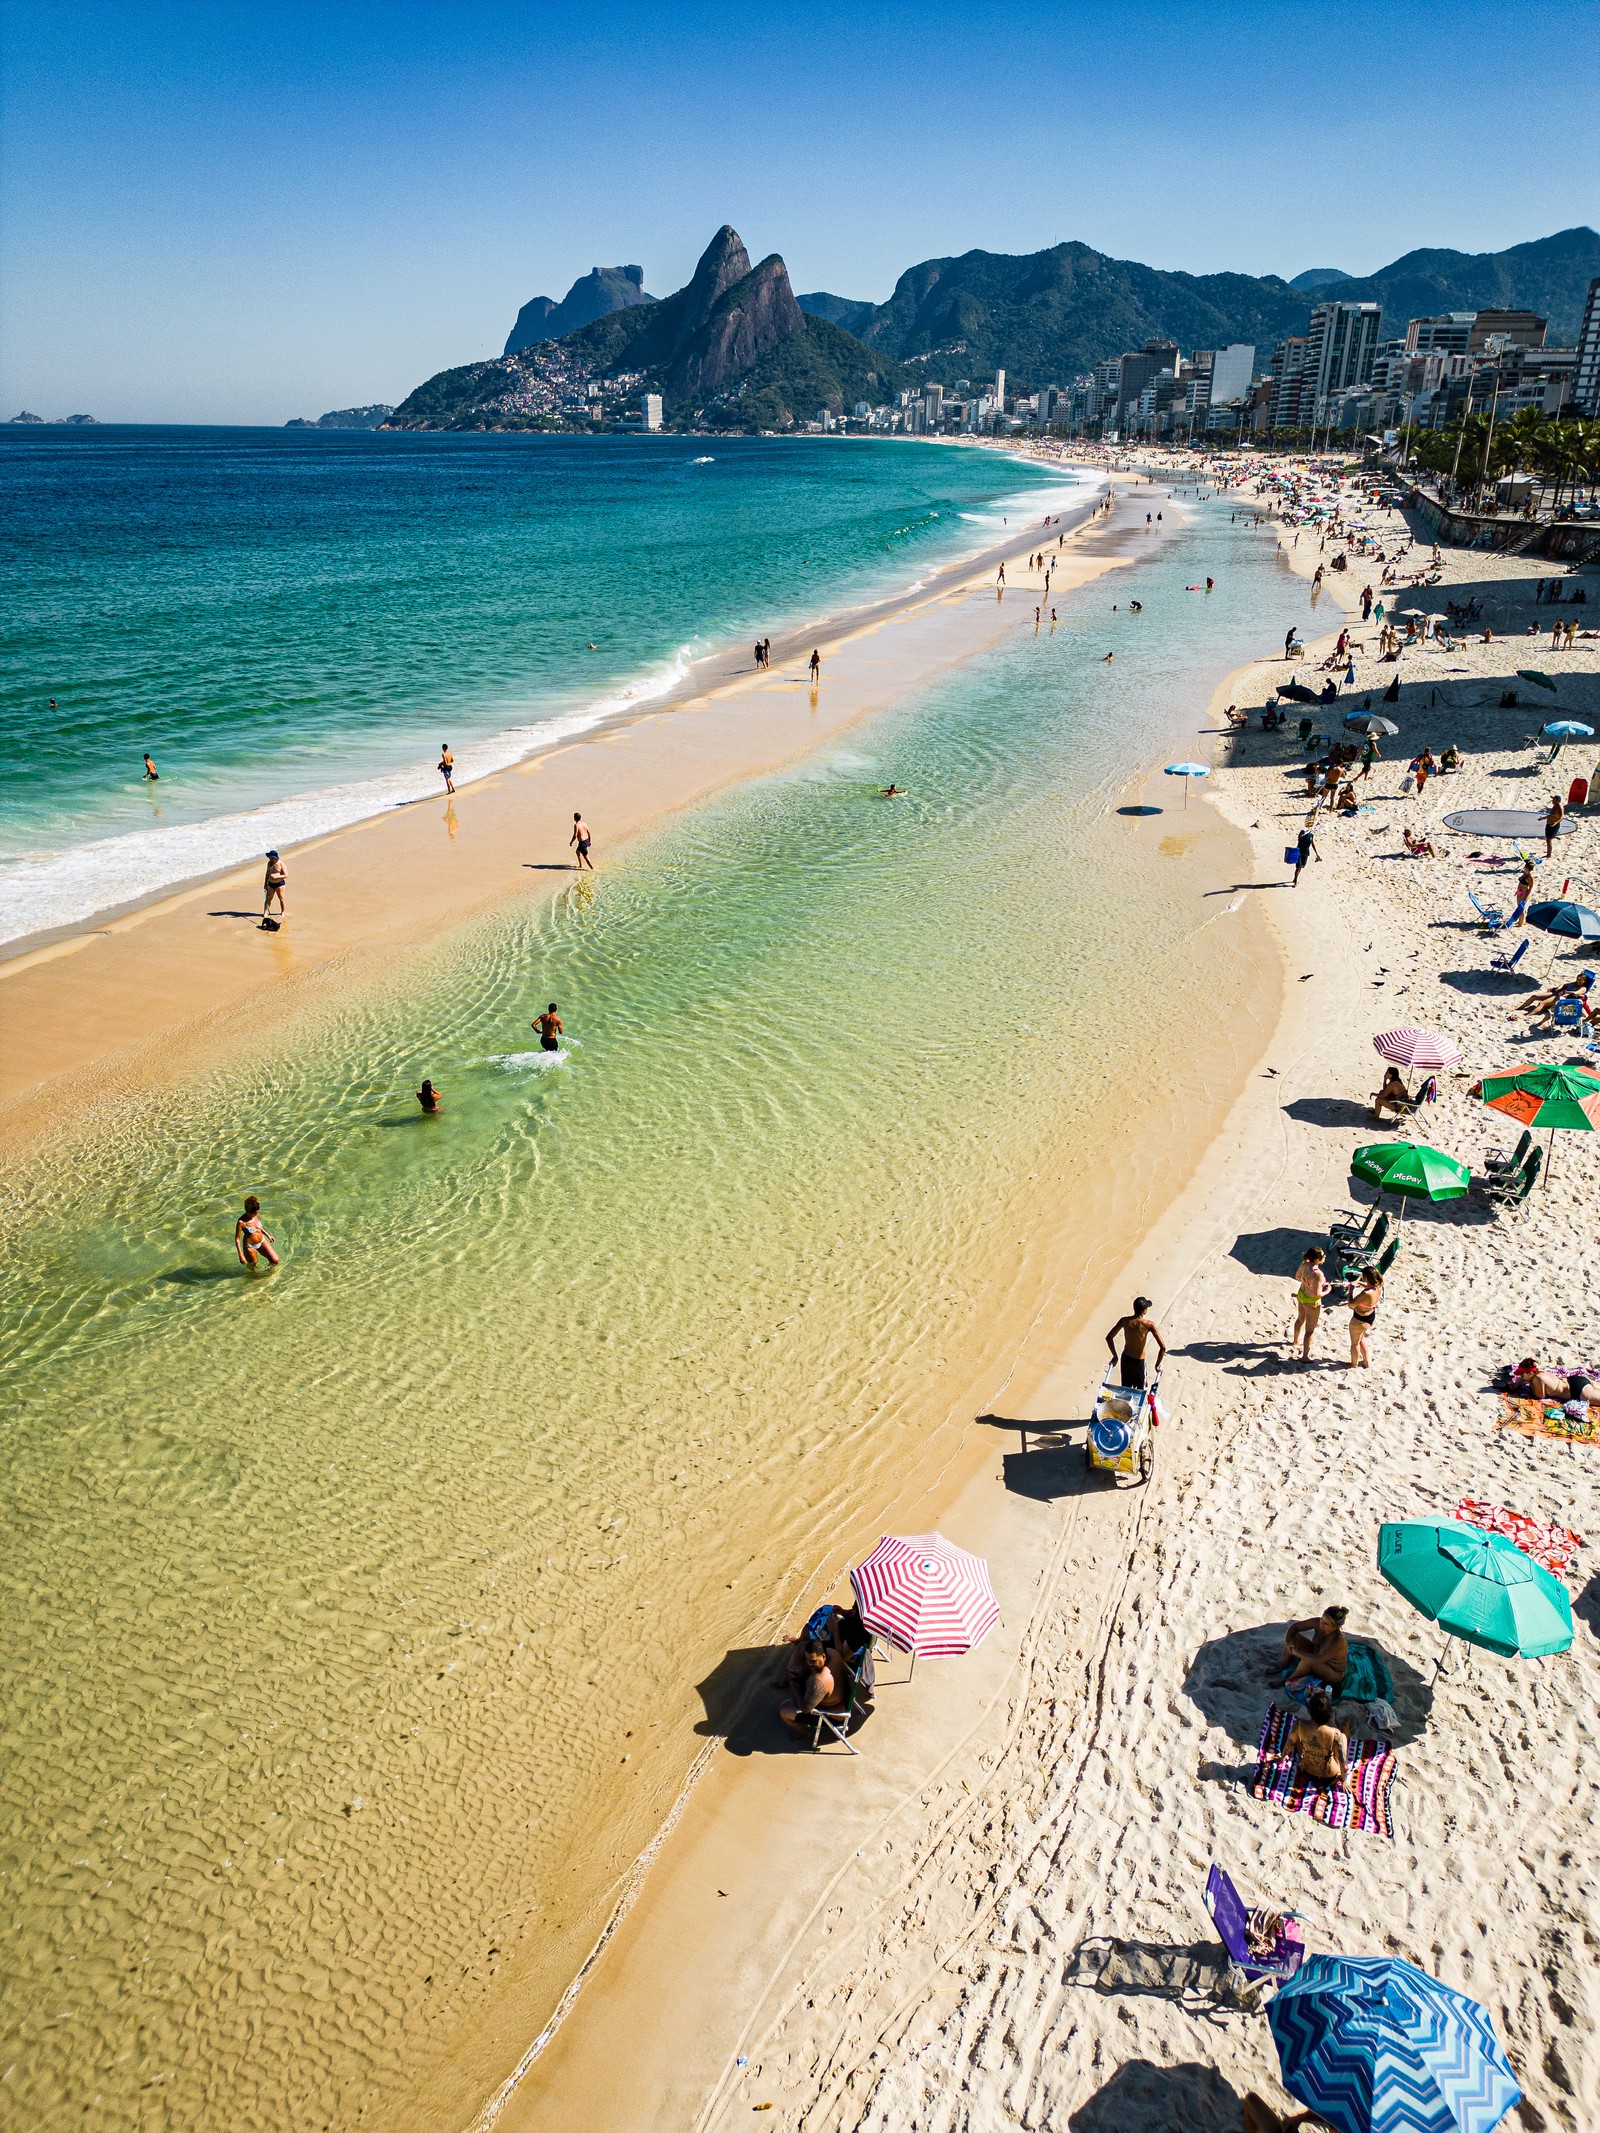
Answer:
(1134, 372)
(1341, 343)
(1586, 380)
(652, 411)
(1231, 371)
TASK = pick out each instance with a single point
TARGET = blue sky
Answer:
(239, 213)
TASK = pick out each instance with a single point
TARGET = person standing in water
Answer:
(430, 1099)
(447, 767)
(580, 838)
(548, 1026)
(276, 878)
(150, 771)
(251, 1239)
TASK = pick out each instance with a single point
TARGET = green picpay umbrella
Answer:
(1412, 1170)
(1478, 1586)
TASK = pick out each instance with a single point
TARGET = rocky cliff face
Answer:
(750, 317)
(594, 295)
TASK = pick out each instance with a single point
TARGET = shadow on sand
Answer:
(1161, 2099)
(1231, 1679)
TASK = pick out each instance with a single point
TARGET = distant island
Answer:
(346, 418)
(57, 422)
(737, 350)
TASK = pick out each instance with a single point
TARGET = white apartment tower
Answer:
(1586, 381)
(652, 411)
(1341, 345)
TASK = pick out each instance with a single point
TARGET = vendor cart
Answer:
(1120, 1440)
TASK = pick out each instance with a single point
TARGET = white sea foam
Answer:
(64, 888)
(524, 1062)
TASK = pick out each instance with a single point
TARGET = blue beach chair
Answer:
(1505, 964)
(1493, 919)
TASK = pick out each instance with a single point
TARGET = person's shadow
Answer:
(1187, 2098)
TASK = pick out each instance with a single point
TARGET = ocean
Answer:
(363, 1622)
(290, 623)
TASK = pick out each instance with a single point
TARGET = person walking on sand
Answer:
(250, 1239)
(1313, 1286)
(1136, 1331)
(1552, 824)
(150, 772)
(1365, 1298)
(276, 879)
(1305, 846)
(447, 766)
(581, 839)
(548, 1026)
(816, 668)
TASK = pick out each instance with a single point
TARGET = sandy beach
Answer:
(993, 1918)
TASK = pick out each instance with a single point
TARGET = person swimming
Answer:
(548, 1026)
(894, 792)
(250, 1238)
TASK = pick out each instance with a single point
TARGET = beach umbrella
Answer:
(1369, 722)
(1412, 1170)
(1477, 1586)
(925, 1595)
(1560, 915)
(1540, 681)
(1417, 1048)
(1567, 729)
(1557, 1099)
(1186, 771)
(1298, 693)
(1375, 2045)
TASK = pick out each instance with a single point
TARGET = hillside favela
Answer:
(800, 1092)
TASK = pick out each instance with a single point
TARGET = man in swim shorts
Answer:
(1137, 1330)
(580, 837)
(548, 1026)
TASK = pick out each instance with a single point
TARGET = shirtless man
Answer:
(808, 1685)
(151, 774)
(548, 1027)
(580, 838)
(277, 875)
(1316, 1649)
(447, 767)
(1136, 1330)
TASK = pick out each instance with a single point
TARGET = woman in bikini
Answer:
(1313, 1287)
(1323, 1750)
(250, 1238)
(1364, 1302)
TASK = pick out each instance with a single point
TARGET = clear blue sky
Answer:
(241, 212)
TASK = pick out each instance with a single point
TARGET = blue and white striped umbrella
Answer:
(1378, 2046)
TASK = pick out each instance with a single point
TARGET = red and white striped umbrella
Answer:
(926, 1595)
(1417, 1048)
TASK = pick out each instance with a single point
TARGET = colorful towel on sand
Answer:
(1554, 1546)
(1543, 1418)
(1363, 1805)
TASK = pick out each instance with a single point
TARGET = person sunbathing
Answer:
(1316, 1649)
(1418, 847)
(1347, 802)
(1393, 1096)
(1530, 1382)
(1323, 1750)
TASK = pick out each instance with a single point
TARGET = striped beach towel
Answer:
(1363, 1805)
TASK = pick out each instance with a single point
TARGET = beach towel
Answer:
(1366, 1676)
(1556, 1547)
(1363, 1805)
(1544, 1418)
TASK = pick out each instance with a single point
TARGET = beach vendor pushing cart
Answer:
(1125, 1410)
(1136, 1331)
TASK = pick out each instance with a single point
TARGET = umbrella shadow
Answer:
(1328, 1111)
(1489, 981)
(1231, 1680)
(741, 1698)
(1142, 2094)
(1050, 1464)
(1273, 1251)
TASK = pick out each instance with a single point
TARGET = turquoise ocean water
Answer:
(291, 623)
(363, 1620)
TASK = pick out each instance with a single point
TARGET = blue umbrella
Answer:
(1187, 771)
(1378, 2046)
(1577, 921)
(1567, 729)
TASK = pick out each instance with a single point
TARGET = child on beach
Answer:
(250, 1238)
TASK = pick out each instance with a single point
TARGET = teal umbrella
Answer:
(1478, 1586)
(1412, 1170)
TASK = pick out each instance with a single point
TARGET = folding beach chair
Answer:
(1246, 1965)
(1507, 963)
(858, 1699)
(1507, 1191)
(1503, 1165)
(1353, 1225)
(1493, 919)
(1567, 1013)
(1353, 1253)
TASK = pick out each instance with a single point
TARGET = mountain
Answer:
(850, 312)
(1320, 278)
(1550, 276)
(594, 295)
(346, 418)
(1042, 316)
(733, 339)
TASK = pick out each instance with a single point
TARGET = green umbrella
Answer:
(1545, 1096)
(1413, 1170)
(1478, 1586)
(1532, 674)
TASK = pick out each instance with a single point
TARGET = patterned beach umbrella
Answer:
(1417, 1048)
(926, 1595)
(1553, 1096)
(1378, 2046)
(1478, 1586)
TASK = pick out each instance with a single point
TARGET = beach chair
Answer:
(1246, 1965)
(1568, 1013)
(1492, 918)
(1351, 1225)
(1505, 964)
(1362, 1252)
(1502, 1165)
(1507, 1192)
(1379, 1262)
(836, 1725)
